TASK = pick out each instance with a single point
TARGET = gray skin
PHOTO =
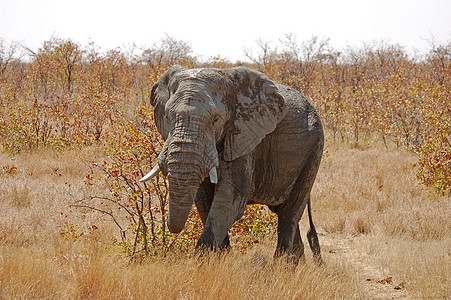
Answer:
(265, 139)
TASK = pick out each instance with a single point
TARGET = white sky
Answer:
(225, 27)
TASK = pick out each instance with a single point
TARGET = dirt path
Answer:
(377, 281)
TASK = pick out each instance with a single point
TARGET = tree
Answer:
(168, 52)
(69, 55)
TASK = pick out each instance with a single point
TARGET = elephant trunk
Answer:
(188, 163)
(181, 197)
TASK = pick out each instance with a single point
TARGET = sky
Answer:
(225, 28)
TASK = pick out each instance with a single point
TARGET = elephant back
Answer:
(301, 112)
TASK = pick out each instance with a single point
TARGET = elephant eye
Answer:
(217, 122)
(173, 88)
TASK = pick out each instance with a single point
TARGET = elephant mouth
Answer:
(191, 156)
(187, 160)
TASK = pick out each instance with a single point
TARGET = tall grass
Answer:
(374, 192)
(365, 196)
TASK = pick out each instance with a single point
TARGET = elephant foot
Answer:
(206, 242)
(225, 244)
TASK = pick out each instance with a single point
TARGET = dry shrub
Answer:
(361, 225)
(335, 224)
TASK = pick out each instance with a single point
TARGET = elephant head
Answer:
(206, 116)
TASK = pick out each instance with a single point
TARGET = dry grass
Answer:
(423, 267)
(374, 192)
(102, 274)
(382, 236)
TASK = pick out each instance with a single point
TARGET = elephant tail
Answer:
(312, 237)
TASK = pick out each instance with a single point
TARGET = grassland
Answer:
(382, 236)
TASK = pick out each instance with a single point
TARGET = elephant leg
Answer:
(230, 199)
(289, 240)
(298, 246)
(290, 212)
(204, 198)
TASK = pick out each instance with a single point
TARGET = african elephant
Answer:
(233, 137)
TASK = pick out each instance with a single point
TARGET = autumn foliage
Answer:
(66, 96)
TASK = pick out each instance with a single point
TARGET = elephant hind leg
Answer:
(290, 212)
(296, 253)
(289, 243)
(298, 247)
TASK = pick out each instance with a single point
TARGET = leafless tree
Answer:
(168, 52)
(439, 57)
(265, 55)
(7, 55)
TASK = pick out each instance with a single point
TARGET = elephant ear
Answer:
(257, 107)
(159, 96)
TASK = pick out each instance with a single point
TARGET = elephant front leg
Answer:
(203, 200)
(229, 201)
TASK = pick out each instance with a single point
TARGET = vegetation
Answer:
(67, 95)
(76, 135)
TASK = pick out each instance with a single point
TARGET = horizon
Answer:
(227, 30)
(138, 50)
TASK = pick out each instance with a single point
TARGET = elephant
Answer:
(234, 137)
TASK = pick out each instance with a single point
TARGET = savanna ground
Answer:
(76, 135)
(382, 236)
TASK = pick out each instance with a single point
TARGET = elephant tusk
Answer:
(213, 175)
(151, 174)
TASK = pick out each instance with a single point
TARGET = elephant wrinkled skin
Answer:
(262, 140)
